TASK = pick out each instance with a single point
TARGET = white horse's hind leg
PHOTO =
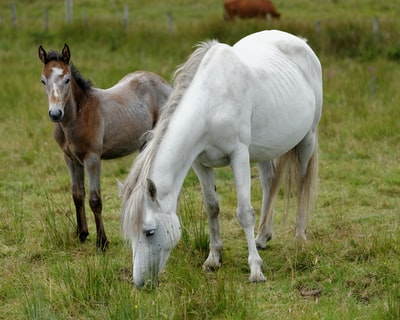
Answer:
(245, 213)
(207, 182)
(308, 164)
(266, 170)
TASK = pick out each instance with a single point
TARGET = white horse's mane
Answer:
(135, 184)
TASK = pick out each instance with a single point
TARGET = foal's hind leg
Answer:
(307, 152)
(76, 171)
(206, 178)
(93, 167)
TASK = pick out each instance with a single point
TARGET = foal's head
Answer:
(56, 77)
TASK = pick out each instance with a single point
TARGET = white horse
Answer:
(258, 100)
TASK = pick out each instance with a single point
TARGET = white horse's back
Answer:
(273, 98)
(261, 45)
(294, 48)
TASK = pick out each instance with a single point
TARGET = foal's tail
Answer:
(288, 168)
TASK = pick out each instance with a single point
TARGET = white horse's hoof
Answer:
(301, 235)
(258, 277)
(211, 264)
(261, 241)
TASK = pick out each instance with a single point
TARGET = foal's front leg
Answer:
(93, 168)
(77, 175)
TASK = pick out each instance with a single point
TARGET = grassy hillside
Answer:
(352, 256)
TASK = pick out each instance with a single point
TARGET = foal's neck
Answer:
(75, 102)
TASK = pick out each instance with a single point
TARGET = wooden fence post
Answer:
(14, 15)
(375, 28)
(126, 17)
(68, 11)
(46, 20)
(170, 21)
(84, 18)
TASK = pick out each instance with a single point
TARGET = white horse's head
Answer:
(56, 77)
(152, 246)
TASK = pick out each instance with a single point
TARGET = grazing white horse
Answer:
(258, 100)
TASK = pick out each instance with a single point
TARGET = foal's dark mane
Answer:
(84, 84)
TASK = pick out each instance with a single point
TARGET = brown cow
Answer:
(249, 9)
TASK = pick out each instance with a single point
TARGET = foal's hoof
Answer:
(82, 236)
(102, 245)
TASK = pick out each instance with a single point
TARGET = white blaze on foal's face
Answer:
(57, 82)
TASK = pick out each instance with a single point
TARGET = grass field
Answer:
(352, 257)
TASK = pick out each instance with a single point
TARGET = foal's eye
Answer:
(66, 81)
(150, 233)
(43, 82)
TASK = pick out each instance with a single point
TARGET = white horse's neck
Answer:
(175, 156)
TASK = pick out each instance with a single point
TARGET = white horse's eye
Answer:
(67, 80)
(44, 82)
(150, 233)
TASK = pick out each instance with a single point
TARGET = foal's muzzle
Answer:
(56, 115)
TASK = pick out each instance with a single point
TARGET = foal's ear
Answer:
(66, 54)
(152, 190)
(42, 54)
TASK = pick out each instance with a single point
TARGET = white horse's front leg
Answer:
(240, 164)
(210, 199)
(246, 219)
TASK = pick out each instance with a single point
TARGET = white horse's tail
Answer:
(288, 169)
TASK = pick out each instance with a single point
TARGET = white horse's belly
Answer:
(278, 125)
(213, 157)
(275, 142)
(271, 132)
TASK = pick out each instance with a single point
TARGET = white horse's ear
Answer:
(152, 190)
(120, 188)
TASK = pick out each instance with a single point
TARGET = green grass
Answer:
(352, 256)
